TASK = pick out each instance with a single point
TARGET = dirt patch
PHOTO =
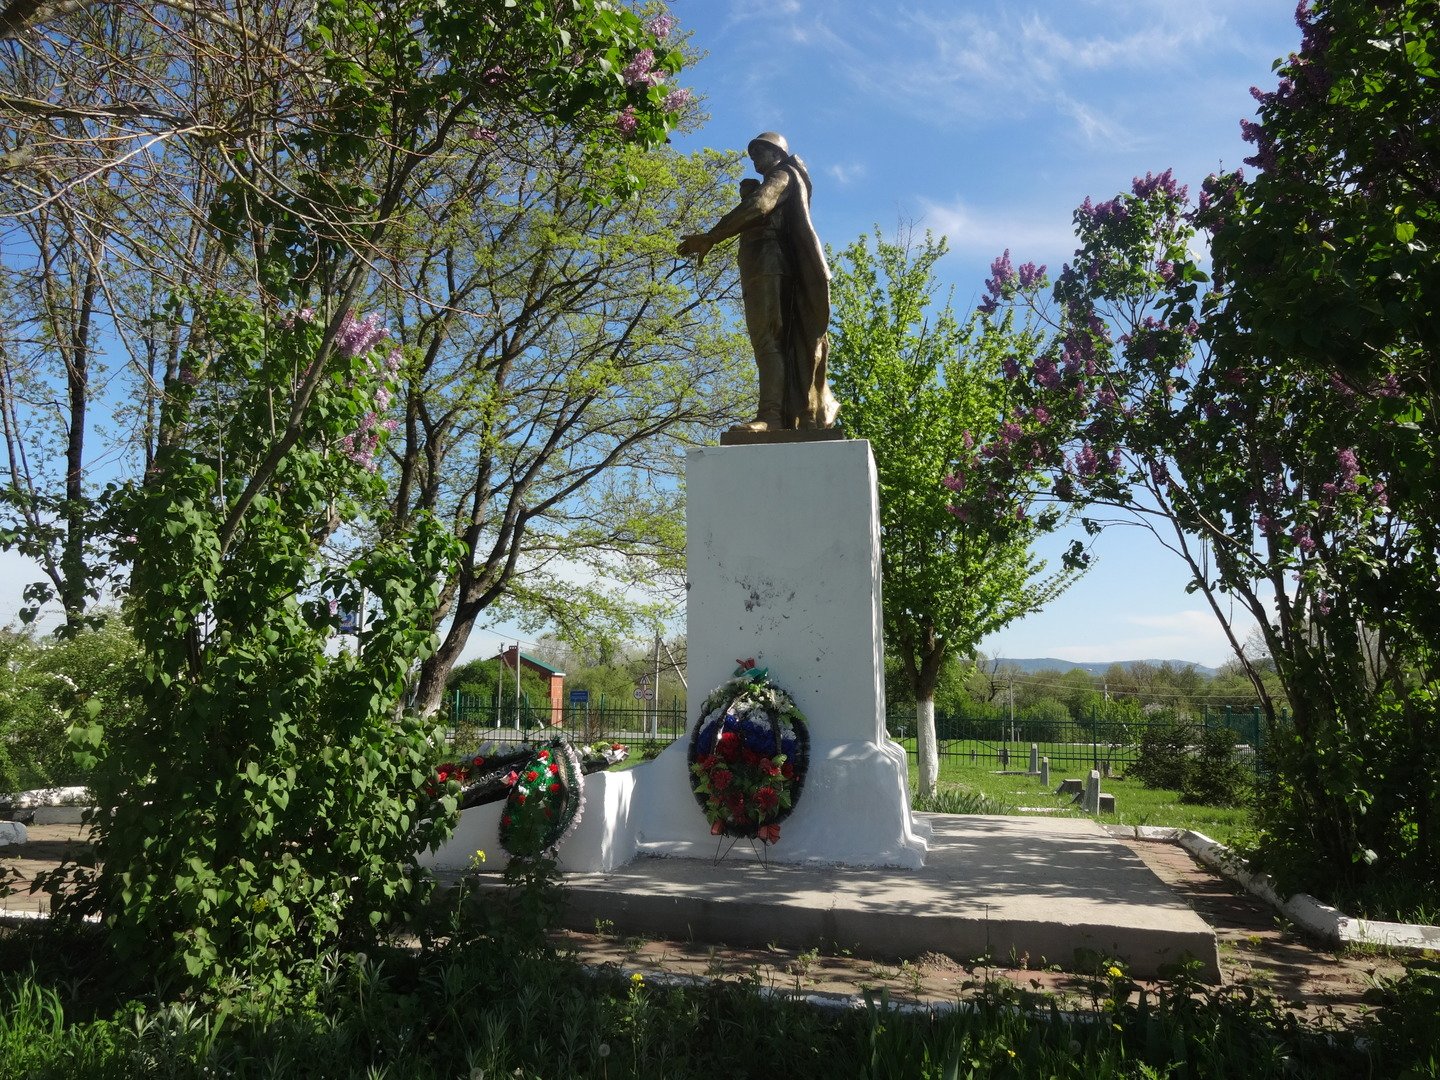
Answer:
(1257, 947)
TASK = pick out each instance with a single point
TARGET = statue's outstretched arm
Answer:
(752, 212)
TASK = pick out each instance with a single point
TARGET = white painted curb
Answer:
(1304, 910)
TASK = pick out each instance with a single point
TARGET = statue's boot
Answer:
(772, 391)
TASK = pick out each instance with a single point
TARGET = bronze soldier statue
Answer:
(786, 286)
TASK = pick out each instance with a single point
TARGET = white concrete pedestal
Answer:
(783, 556)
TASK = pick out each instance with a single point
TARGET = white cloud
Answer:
(1038, 235)
(847, 172)
(1091, 124)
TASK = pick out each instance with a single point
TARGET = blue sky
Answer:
(989, 121)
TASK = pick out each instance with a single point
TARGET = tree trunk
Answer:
(928, 750)
(74, 589)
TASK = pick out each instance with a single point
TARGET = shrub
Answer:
(1164, 754)
(42, 683)
(1213, 776)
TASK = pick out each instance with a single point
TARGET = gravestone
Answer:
(1044, 772)
(1034, 759)
(1092, 792)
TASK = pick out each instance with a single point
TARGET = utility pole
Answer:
(679, 671)
(1011, 732)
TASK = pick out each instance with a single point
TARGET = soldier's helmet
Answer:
(773, 138)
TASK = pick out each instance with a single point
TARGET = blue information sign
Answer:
(579, 697)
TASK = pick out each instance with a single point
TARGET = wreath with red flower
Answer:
(748, 756)
(542, 788)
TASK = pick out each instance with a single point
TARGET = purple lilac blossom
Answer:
(999, 284)
(661, 26)
(626, 122)
(1349, 469)
(641, 70)
(1164, 183)
(1030, 274)
(358, 336)
(1046, 373)
(676, 100)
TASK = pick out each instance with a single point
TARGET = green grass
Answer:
(461, 1013)
(1135, 804)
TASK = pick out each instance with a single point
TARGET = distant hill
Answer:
(1094, 667)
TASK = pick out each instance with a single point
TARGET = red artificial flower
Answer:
(556, 786)
(768, 768)
(478, 762)
(768, 798)
(520, 799)
(554, 769)
(543, 754)
(750, 757)
(720, 779)
(788, 771)
(532, 776)
(505, 820)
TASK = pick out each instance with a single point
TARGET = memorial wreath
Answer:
(542, 788)
(748, 756)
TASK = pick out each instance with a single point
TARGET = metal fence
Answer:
(1094, 742)
(475, 718)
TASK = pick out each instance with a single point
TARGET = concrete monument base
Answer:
(783, 555)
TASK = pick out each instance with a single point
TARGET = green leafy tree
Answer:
(267, 801)
(1275, 427)
(925, 391)
(1325, 268)
(563, 360)
(45, 684)
(266, 150)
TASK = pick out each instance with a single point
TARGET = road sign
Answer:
(644, 693)
(579, 697)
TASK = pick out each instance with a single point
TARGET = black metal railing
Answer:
(1093, 742)
(474, 718)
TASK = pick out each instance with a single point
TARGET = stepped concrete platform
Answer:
(1055, 890)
